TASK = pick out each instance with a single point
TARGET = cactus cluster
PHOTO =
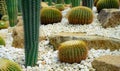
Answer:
(50, 16)
(12, 8)
(88, 3)
(80, 15)
(60, 7)
(107, 4)
(7, 65)
(72, 51)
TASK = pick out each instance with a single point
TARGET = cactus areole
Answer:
(31, 18)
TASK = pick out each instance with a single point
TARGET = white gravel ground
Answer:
(48, 59)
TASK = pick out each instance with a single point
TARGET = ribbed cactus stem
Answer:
(88, 3)
(75, 3)
(31, 17)
(67, 1)
(49, 2)
(19, 6)
(12, 8)
(60, 1)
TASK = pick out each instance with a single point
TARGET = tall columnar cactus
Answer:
(107, 4)
(60, 1)
(80, 15)
(50, 16)
(75, 3)
(49, 2)
(19, 6)
(67, 1)
(12, 8)
(31, 17)
(7, 65)
(88, 3)
(72, 51)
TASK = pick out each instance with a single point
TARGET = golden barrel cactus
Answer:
(72, 51)
(50, 15)
(3, 25)
(60, 7)
(80, 15)
(7, 65)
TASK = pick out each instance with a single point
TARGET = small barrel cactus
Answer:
(60, 7)
(72, 51)
(50, 16)
(3, 25)
(5, 18)
(80, 15)
(88, 3)
(2, 41)
(107, 4)
(7, 65)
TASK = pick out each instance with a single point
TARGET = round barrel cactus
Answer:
(102, 4)
(72, 51)
(60, 7)
(2, 41)
(7, 65)
(3, 25)
(80, 15)
(50, 16)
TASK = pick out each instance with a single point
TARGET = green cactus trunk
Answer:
(75, 3)
(19, 6)
(60, 1)
(67, 1)
(12, 8)
(31, 17)
(49, 2)
(88, 3)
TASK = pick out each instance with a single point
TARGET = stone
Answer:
(107, 63)
(109, 17)
(93, 41)
(18, 36)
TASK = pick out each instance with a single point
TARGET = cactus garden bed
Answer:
(48, 58)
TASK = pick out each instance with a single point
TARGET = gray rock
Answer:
(96, 42)
(107, 63)
(109, 17)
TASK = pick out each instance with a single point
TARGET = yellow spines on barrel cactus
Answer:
(3, 24)
(72, 51)
(60, 7)
(8, 65)
(2, 41)
(80, 15)
(50, 15)
(107, 4)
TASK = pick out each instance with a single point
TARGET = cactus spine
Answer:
(31, 17)
(67, 1)
(72, 51)
(88, 3)
(75, 3)
(80, 15)
(12, 8)
(107, 4)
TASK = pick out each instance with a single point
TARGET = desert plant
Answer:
(59, 1)
(75, 3)
(8, 65)
(3, 7)
(60, 7)
(102, 4)
(80, 15)
(31, 18)
(95, 2)
(72, 51)
(50, 16)
(3, 25)
(19, 6)
(5, 18)
(88, 3)
(67, 1)
(12, 8)
(2, 41)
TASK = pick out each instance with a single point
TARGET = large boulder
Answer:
(107, 63)
(93, 41)
(109, 17)
(18, 36)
